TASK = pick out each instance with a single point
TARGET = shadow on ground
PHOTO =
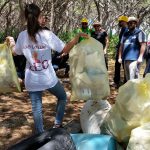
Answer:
(16, 122)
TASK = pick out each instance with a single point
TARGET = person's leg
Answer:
(124, 74)
(117, 70)
(36, 100)
(137, 73)
(106, 60)
(60, 93)
(126, 69)
(134, 70)
(67, 69)
(147, 68)
(19, 73)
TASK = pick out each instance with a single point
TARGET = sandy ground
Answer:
(16, 122)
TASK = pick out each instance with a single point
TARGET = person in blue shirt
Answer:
(133, 44)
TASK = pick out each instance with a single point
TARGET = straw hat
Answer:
(132, 19)
(96, 23)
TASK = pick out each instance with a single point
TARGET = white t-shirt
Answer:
(39, 72)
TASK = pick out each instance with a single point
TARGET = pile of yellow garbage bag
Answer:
(140, 138)
(88, 73)
(8, 76)
(131, 110)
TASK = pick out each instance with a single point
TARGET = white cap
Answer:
(132, 19)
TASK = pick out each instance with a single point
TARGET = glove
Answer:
(140, 60)
(120, 60)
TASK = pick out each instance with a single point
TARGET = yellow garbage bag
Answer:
(131, 110)
(88, 73)
(8, 76)
(140, 138)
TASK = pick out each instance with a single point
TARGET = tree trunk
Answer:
(21, 16)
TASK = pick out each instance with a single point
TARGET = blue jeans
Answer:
(36, 100)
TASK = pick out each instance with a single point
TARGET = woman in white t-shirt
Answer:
(35, 44)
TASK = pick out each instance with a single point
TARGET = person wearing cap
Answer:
(101, 35)
(133, 44)
(122, 23)
(84, 28)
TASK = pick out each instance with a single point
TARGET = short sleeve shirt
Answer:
(39, 73)
(131, 44)
(100, 36)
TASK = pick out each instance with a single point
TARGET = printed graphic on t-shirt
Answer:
(40, 61)
(39, 72)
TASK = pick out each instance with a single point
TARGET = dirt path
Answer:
(16, 120)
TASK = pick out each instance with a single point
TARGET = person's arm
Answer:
(120, 53)
(107, 44)
(142, 39)
(121, 50)
(73, 42)
(62, 55)
(13, 51)
(142, 50)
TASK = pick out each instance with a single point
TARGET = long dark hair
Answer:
(32, 13)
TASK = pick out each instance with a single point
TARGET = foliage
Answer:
(65, 16)
(10, 32)
(2, 37)
(67, 36)
(112, 45)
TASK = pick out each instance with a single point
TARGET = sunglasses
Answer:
(132, 22)
(84, 23)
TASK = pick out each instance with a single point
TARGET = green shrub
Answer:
(10, 32)
(2, 37)
(67, 36)
(113, 41)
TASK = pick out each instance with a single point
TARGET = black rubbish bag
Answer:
(52, 139)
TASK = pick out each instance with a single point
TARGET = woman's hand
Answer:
(84, 35)
(73, 42)
(10, 41)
